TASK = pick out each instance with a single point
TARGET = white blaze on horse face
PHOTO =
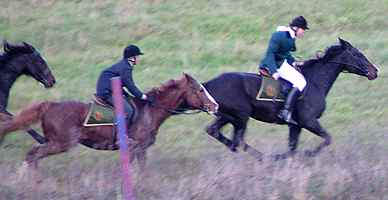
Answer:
(210, 98)
(378, 69)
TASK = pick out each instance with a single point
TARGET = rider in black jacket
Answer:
(122, 69)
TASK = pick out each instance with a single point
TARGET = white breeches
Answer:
(289, 73)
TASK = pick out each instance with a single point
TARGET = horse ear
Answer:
(186, 76)
(28, 45)
(344, 43)
(6, 46)
(189, 78)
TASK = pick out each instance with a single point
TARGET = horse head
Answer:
(356, 62)
(27, 60)
(196, 96)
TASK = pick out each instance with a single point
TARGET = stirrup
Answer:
(285, 115)
(291, 121)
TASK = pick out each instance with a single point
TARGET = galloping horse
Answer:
(20, 60)
(62, 122)
(236, 95)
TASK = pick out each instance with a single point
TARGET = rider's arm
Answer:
(126, 77)
(290, 59)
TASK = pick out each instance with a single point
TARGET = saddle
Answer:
(101, 113)
(271, 89)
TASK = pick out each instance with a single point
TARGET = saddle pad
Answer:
(99, 115)
(270, 90)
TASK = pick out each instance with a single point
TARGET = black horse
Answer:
(236, 95)
(17, 60)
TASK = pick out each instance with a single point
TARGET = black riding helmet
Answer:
(131, 50)
(299, 22)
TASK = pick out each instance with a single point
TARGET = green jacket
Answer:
(279, 49)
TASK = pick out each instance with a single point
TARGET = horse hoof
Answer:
(212, 132)
(278, 157)
(310, 153)
(209, 130)
(22, 171)
(283, 156)
(259, 158)
(233, 148)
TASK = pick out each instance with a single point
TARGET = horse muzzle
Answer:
(210, 108)
(372, 73)
(49, 82)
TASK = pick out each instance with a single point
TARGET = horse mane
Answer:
(310, 67)
(12, 50)
(164, 87)
(330, 52)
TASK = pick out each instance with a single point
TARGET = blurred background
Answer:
(203, 38)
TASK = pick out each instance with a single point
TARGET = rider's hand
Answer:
(297, 63)
(276, 75)
(148, 99)
(126, 94)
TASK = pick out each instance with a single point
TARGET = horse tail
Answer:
(28, 116)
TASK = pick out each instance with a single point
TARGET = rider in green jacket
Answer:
(279, 62)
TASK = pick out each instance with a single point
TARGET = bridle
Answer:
(179, 111)
(184, 111)
(35, 53)
(349, 64)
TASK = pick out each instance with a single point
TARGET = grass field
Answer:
(203, 38)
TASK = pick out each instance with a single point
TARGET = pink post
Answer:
(121, 126)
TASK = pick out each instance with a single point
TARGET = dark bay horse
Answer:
(62, 122)
(236, 95)
(17, 60)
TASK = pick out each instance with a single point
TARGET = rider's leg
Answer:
(289, 73)
(127, 108)
(286, 112)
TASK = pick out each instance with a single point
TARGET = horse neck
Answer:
(169, 100)
(8, 75)
(323, 75)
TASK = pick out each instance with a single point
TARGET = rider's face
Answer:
(134, 60)
(299, 32)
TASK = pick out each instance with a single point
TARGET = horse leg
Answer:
(35, 154)
(214, 131)
(315, 127)
(59, 141)
(141, 154)
(4, 116)
(293, 139)
(239, 128)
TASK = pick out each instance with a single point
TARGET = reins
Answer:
(349, 64)
(179, 111)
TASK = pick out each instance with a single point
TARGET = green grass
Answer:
(203, 38)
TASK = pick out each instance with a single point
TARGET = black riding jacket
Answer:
(122, 69)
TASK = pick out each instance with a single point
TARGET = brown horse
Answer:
(62, 122)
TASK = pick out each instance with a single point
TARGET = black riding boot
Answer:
(286, 112)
